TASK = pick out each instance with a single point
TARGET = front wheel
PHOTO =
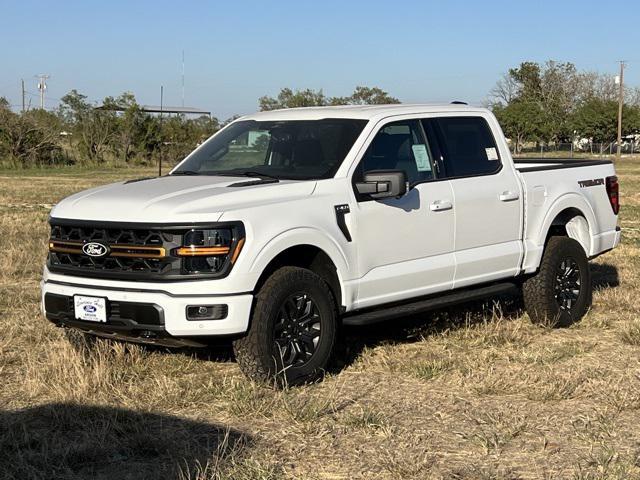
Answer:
(560, 293)
(293, 329)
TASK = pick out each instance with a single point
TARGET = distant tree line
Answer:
(121, 133)
(77, 132)
(542, 104)
(555, 103)
(288, 98)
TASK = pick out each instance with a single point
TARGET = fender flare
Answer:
(304, 236)
(565, 202)
(535, 244)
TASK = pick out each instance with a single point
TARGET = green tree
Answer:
(528, 81)
(598, 120)
(521, 122)
(288, 98)
(92, 129)
(130, 125)
(550, 91)
(371, 96)
(27, 140)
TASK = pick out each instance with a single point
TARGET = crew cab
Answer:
(286, 224)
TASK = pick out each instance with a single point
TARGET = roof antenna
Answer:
(459, 102)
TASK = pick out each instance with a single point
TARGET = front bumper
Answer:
(172, 308)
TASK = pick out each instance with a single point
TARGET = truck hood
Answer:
(176, 199)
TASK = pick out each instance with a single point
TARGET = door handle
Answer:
(508, 196)
(439, 205)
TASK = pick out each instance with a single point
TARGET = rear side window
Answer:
(468, 146)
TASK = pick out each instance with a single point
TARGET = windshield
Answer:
(292, 149)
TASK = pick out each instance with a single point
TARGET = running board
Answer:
(440, 300)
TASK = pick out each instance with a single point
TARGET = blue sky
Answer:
(235, 52)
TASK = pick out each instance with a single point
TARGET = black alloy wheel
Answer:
(297, 330)
(567, 289)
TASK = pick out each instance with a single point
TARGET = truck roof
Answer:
(365, 112)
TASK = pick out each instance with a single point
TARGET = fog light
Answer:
(207, 312)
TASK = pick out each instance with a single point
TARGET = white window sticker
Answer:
(422, 157)
(492, 153)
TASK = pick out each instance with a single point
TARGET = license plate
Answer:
(92, 309)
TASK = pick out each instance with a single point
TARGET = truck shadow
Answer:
(73, 441)
(604, 275)
(416, 327)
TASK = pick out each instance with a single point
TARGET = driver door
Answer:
(404, 245)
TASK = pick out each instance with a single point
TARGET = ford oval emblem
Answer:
(95, 249)
(90, 309)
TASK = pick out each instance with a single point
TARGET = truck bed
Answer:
(556, 185)
(539, 164)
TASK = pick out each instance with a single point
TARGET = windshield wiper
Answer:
(185, 172)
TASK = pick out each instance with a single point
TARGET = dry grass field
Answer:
(473, 392)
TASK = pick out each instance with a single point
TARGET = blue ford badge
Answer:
(90, 309)
(95, 249)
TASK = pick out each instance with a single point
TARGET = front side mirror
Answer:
(383, 184)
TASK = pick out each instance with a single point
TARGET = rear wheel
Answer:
(293, 329)
(560, 293)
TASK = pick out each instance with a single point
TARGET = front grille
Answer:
(134, 251)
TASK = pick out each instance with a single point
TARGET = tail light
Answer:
(613, 192)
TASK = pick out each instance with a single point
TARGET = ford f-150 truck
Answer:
(286, 224)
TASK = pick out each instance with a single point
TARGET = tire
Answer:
(291, 310)
(560, 293)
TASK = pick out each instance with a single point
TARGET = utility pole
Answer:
(183, 78)
(161, 106)
(620, 103)
(22, 80)
(42, 86)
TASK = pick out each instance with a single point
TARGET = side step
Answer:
(432, 302)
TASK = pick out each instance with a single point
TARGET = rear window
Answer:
(469, 147)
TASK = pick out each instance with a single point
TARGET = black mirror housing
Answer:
(383, 184)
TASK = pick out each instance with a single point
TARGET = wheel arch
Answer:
(300, 249)
(570, 216)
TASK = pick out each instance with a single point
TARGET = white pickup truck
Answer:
(286, 224)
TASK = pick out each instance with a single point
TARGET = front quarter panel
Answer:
(271, 229)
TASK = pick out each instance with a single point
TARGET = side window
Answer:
(400, 146)
(469, 147)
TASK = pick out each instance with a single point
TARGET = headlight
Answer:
(210, 250)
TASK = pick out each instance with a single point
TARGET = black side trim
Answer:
(341, 211)
(423, 304)
(553, 163)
